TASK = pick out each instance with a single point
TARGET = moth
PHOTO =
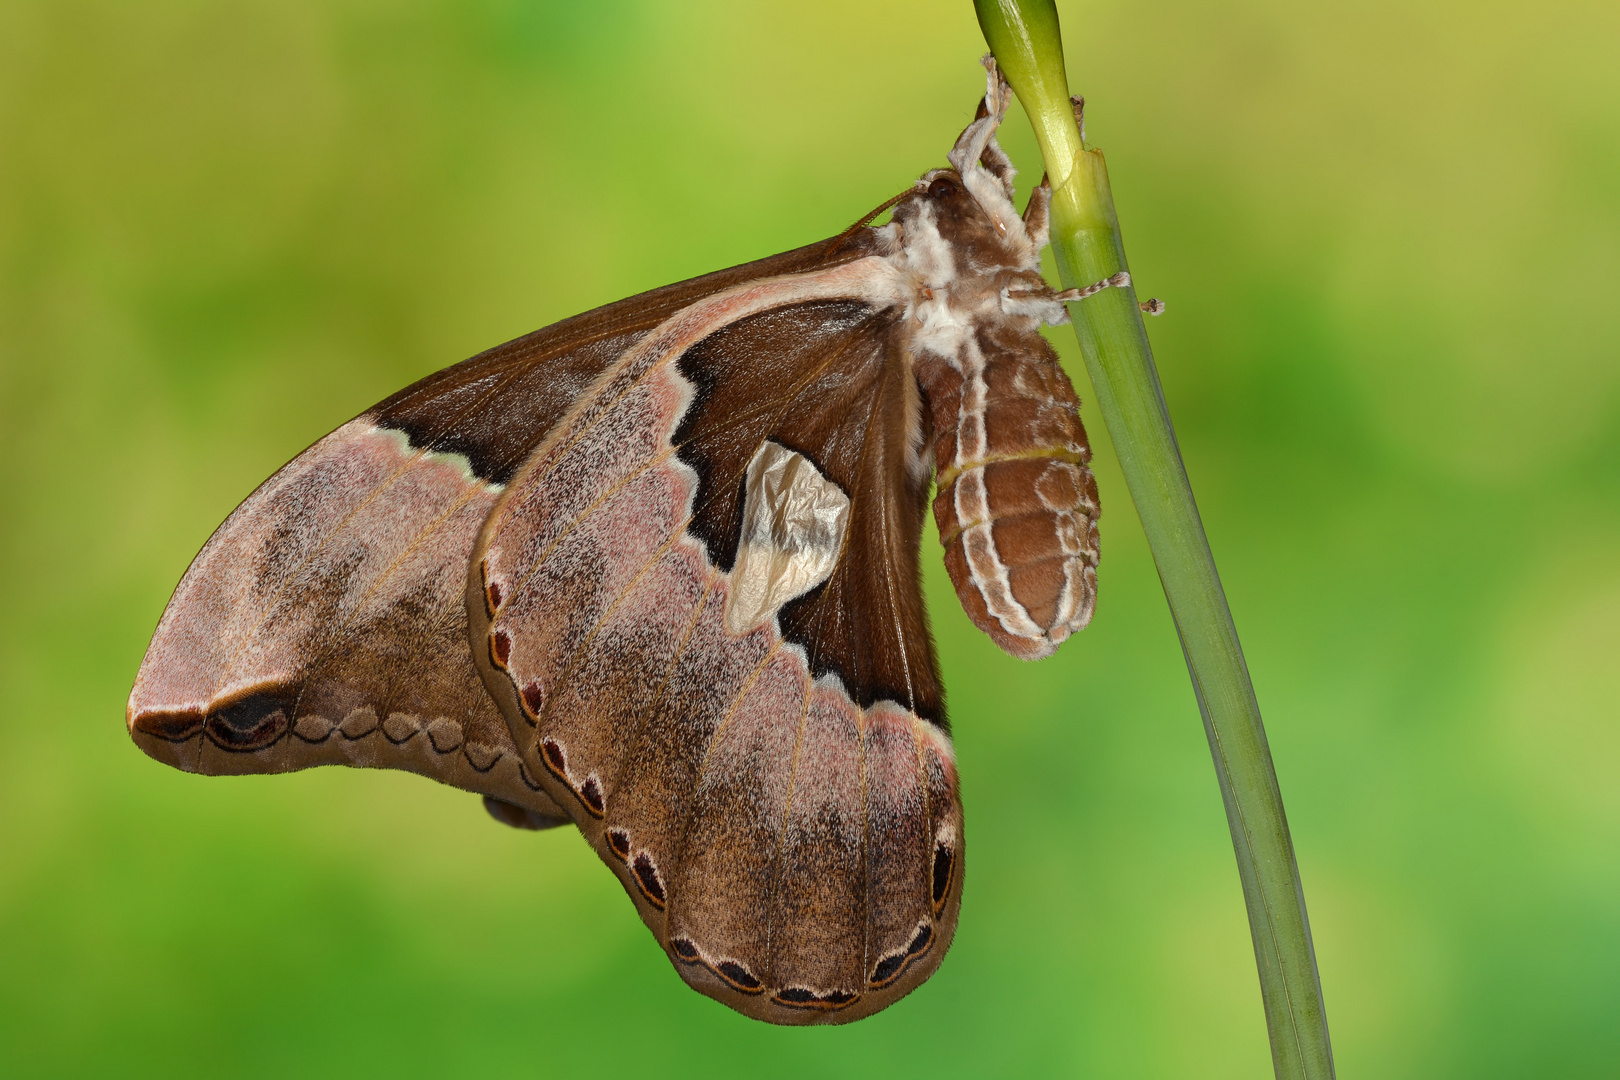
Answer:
(654, 572)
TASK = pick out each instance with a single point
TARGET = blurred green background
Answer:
(1389, 236)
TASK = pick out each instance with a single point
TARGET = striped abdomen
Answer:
(1016, 503)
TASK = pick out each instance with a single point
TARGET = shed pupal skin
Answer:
(1016, 503)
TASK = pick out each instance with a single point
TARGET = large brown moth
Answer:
(654, 571)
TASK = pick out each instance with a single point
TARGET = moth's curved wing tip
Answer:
(169, 736)
(891, 979)
(165, 737)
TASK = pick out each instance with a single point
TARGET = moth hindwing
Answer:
(654, 570)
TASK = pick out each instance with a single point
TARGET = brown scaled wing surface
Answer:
(782, 805)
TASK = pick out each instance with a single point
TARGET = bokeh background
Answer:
(1389, 236)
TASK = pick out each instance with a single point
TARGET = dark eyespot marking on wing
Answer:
(652, 886)
(736, 975)
(795, 996)
(175, 726)
(618, 842)
(739, 976)
(798, 997)
(892, 966)
(943, 863)
(590, 793)
(533, 699)
(888, 969)
(250, 723)
(492, 594)
(500, 648)
(552, 752)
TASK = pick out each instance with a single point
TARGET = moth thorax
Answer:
(1016, 503)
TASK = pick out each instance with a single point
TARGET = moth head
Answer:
(966, 211)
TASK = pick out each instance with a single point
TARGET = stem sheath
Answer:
(1024, 36)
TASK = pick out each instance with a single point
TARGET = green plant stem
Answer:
(1023, 35)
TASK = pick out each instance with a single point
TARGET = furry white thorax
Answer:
(947, 296)
(949, 292)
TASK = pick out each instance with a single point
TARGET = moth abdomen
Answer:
(1016, 503)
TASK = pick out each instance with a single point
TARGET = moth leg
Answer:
(520, 817)
(1046, 303)
(978, 159)
(993, 157)
(1150, 306)
(1037, 214)
(1038, 224)
(977, 143)
(1118, 281)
